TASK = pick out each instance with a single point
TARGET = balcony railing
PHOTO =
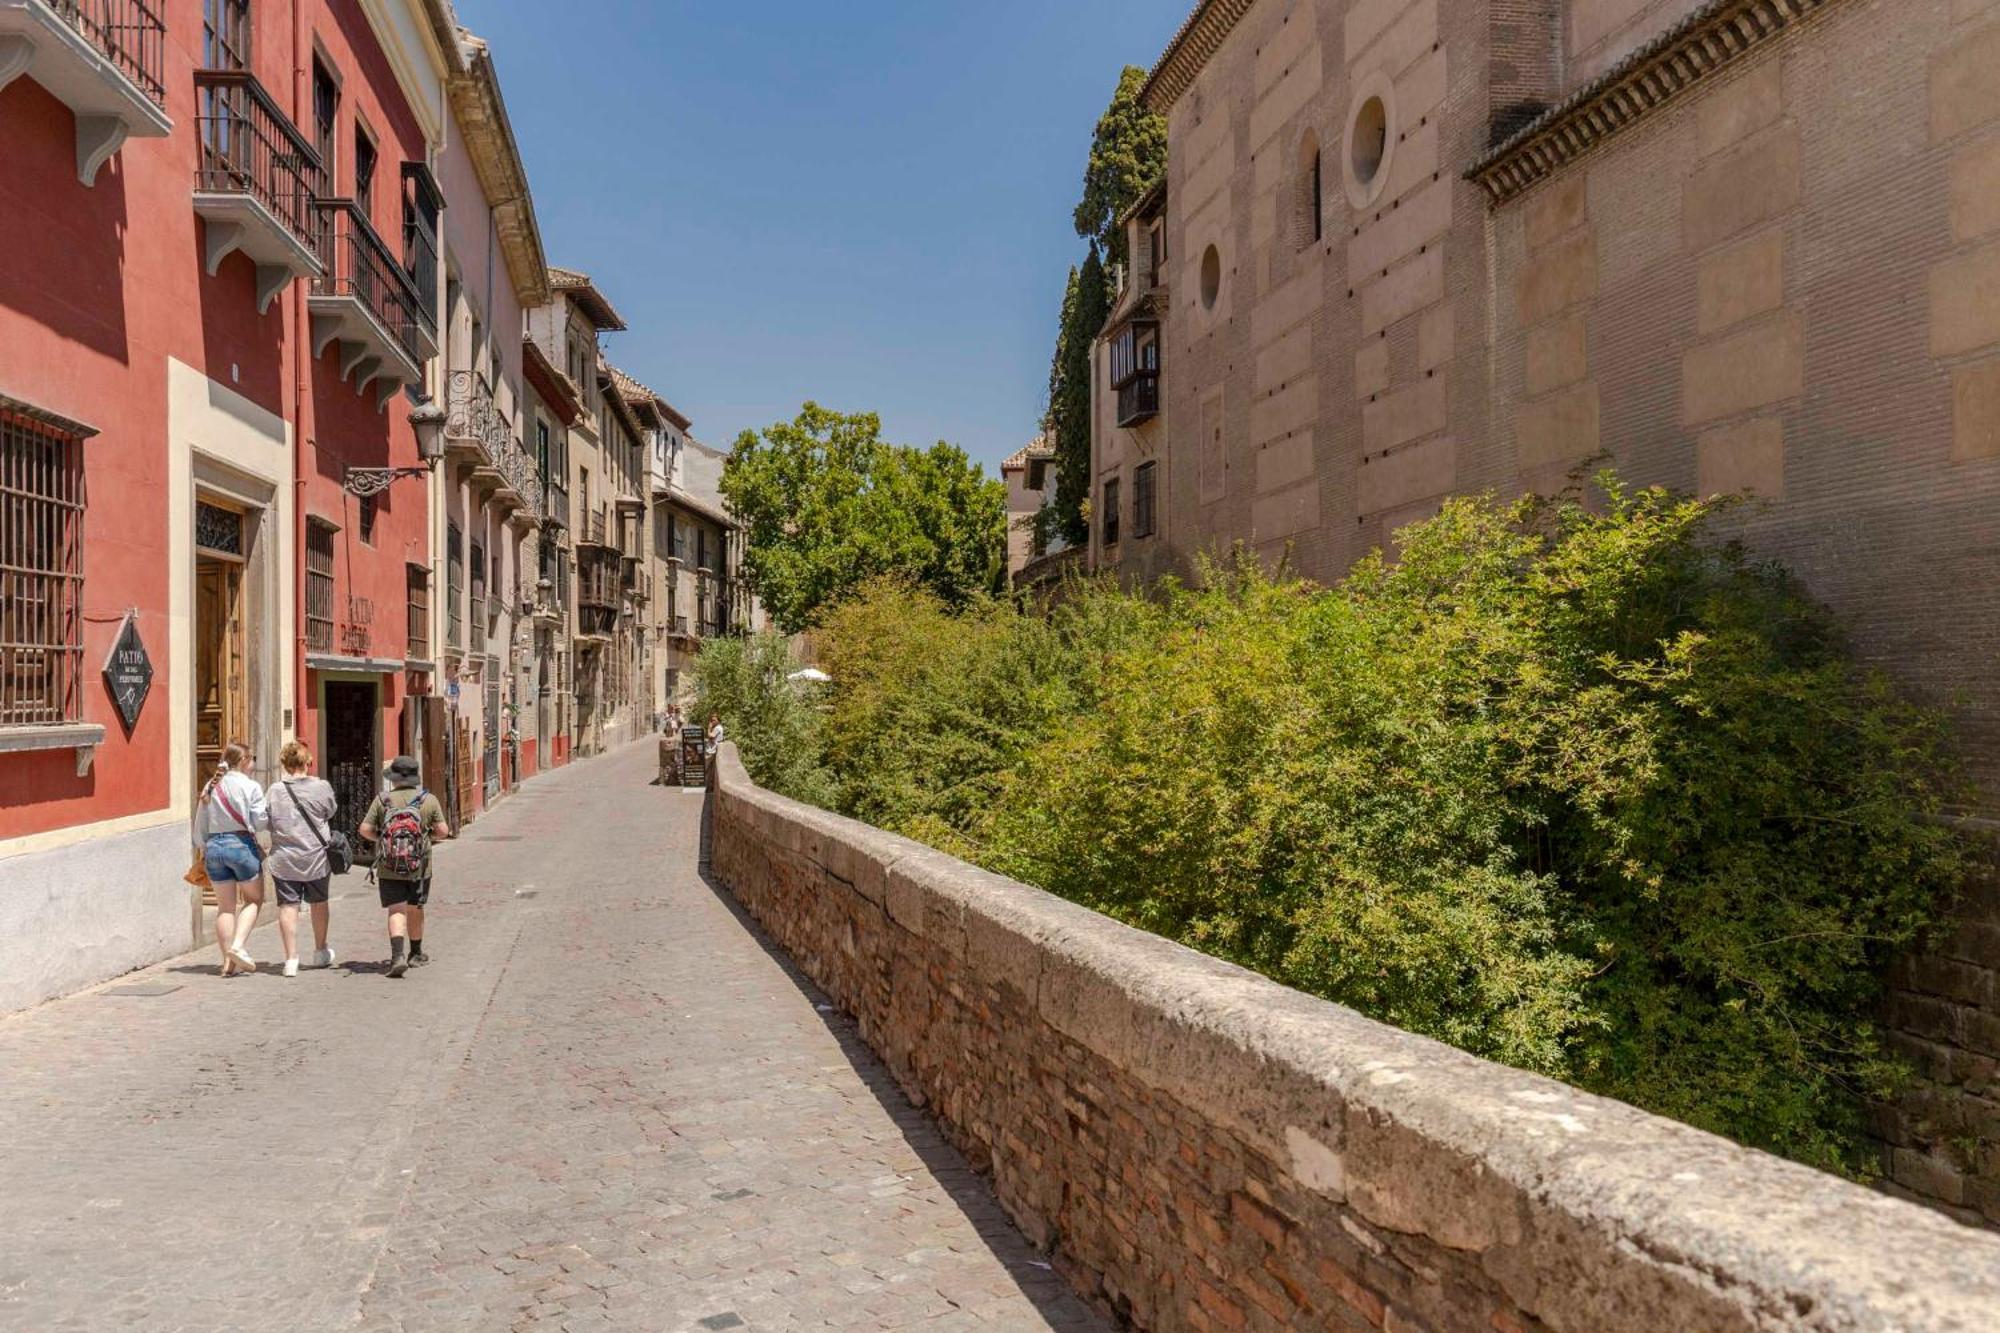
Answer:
(129, 33)
(593, 528)
(359, 265)
(471, 420)
(249, 146)
(555, 503)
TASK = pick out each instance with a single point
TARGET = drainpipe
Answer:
(301, 357)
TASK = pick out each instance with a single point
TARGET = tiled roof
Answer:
(584, 292)
(1039, 447)
(638, 394)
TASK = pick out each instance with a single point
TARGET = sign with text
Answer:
(128, 672)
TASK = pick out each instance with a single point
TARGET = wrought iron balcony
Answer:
(368, 303)
(104, 59)
(256, 182)
(471, 419)
(555, 504)
(523, 485)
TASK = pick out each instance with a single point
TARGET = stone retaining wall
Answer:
(1200, 1148)
(1942, 1141)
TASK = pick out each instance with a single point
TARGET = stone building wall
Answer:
(1199, 1148)
(1780, 280)
(1941, 1142)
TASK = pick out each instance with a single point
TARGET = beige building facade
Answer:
(1415, 248)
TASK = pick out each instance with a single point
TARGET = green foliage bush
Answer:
(776, 724)
(1572, 785)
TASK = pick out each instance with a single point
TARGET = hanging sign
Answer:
(128, 672)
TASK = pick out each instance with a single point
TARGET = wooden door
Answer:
(462, 787)
(221, 696)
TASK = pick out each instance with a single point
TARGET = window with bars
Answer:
(41, 572)
(454, 586)
(1109, 519)
(478, 595)
(319, 585)
(1143, 485)
(419, 600)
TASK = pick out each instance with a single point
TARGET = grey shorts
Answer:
(292, 892)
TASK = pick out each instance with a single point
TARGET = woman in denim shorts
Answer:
(226, 820)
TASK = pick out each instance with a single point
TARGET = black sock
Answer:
(395, 947)
(416, 946)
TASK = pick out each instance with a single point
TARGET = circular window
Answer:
(1371, 140)
(1211, 277)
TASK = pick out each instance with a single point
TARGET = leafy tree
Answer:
(1128, 155)
(827, 504)
(1086, 306)
(1571, 784)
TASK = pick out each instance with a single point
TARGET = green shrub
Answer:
(775, 723)
(1576, 786)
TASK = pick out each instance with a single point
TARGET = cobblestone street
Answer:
(606, 1104)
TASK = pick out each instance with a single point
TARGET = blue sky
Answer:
(863, 202)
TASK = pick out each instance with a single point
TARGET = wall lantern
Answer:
(427, 420)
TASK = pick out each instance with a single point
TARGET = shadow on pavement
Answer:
(1036, 1279)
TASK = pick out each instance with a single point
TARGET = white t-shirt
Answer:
(232, 804)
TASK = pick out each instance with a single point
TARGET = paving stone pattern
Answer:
(606, 1105)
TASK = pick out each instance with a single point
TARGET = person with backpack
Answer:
(306, 852)
(402, 824)
(226, 820)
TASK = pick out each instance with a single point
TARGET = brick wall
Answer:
(1942, 1142)
(1198, 1148)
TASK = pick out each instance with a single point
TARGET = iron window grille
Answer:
(419, 601)
(41, 571)
(1110, 519)
(319, 585)
(1143, 484)
(454, 587)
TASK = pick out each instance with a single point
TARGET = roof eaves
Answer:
(1188, 54)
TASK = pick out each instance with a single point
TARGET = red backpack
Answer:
(406, 841)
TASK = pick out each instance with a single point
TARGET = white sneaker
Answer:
(244, 962)
(291, 967)
(324, 958)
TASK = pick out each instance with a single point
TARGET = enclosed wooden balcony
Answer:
(1135, 371)
(256, 182)
(103, 59)
(366, 302)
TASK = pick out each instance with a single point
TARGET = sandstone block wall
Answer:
(1201, 1149)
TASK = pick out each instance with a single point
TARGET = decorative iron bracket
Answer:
(375, 480)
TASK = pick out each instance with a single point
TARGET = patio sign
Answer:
(128, 672)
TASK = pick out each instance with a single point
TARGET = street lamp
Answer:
(427, 420)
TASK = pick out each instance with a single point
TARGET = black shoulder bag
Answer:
(339, 852)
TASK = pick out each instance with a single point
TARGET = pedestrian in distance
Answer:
(714, 734)
(302, 809)
(226, 820)
(403, 823)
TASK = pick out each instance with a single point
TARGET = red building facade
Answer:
(218, 300)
